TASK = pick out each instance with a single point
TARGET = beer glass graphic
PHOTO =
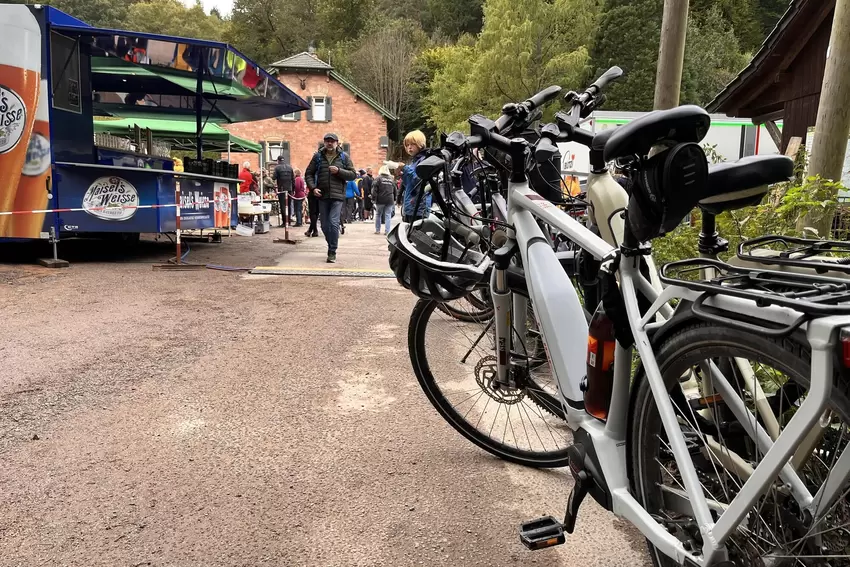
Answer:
(20, 65)
(34, 186)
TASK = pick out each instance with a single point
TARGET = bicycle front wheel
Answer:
(454, 362)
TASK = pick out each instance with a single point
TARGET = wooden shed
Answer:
(783, 80)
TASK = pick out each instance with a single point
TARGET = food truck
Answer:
(89, 117)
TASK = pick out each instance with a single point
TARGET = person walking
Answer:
(298, 198)
(326, 176)
(383, 196)
(366, 190)
(352, 193)
(284, 176)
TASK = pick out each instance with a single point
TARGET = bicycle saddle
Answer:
(687, 123)
(743, 183)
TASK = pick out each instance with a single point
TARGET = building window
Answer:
(319, 109)
(291, 117)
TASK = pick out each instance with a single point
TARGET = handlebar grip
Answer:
(544, 96)
(611, 74)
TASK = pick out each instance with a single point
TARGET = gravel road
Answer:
(205, 418)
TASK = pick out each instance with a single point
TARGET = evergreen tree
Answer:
(628, 35)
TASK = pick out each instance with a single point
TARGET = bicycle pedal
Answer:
(542, 533)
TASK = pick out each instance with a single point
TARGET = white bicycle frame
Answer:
(564, 330)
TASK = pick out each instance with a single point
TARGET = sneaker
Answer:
(331, 257)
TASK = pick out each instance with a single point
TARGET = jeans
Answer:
(329, 210)
(299, 211)
(350, 209)
(384, 212)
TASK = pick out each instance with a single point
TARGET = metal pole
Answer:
(199, 101)
(177, 219)
(286, 215)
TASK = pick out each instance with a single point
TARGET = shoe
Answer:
(331, 257)
(377, 232)
(342, 230)
(308, 234)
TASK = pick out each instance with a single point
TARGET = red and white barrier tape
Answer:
(122, 207)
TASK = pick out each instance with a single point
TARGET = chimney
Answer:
(311, 48)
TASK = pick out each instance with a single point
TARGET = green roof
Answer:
(181, 133)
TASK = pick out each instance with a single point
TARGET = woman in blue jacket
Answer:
(352, 193)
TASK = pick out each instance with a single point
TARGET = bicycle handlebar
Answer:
(611, 74)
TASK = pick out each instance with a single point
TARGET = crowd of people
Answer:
(336, 194)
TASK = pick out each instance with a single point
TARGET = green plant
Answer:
(781, 212)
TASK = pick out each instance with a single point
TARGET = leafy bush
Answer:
(781, 212)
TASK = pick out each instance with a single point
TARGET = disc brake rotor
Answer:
(486, 372)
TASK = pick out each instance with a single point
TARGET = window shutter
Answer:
(297, 116)
(327, 109)
(347, 149)
(384, 141)
(310, 110)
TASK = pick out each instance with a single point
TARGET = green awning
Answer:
(180, 133)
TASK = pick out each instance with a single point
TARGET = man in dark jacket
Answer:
(285, 178)
(326, 176)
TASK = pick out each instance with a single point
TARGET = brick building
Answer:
(337, 105)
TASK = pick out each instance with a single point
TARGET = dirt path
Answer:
(214, 418)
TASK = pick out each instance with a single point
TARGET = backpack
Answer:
(317, 157)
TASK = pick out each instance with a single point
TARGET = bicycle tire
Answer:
(790, 355)
(481, 311)
(421, 367)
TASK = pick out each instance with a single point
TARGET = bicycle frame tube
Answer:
(564, 332)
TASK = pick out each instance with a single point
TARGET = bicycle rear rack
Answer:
(797, 252)
(809, 295)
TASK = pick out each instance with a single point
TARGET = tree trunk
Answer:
(833, 123)
(671, 54)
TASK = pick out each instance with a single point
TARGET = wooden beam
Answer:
(793, 146)
(799, 42)
(775, 133)
(833, 124)
(671, 54)
(769, 117)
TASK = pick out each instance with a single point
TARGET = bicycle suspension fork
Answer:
(502, 307)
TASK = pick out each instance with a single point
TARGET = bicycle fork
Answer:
(503, 320)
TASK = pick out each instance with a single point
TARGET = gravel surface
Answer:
(217, 418)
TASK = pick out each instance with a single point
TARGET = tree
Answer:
(172, 17)
(525, 46)
(741, 15)
(269, 30)
(712, 57)
(628, 36)
(453, 18)
(383, 62)
(769, 12)
(99, 13)
(343, 20)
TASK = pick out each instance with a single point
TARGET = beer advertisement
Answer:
(20, 82)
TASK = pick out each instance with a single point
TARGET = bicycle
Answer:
(647, 451)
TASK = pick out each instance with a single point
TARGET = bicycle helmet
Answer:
(415, 259)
